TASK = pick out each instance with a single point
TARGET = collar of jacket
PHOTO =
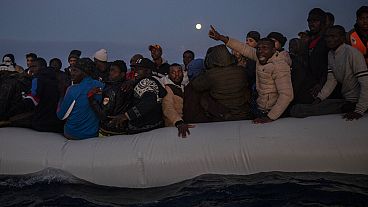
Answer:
(274, 57)
(169, 81)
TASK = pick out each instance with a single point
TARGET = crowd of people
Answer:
(324, 72)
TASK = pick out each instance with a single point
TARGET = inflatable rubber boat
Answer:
(160, 157)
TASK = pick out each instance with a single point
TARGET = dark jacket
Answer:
(12, 86)
(250, 70)
(161, 70)
(226, 82)
(146, 113)
(318, 63)
(63, 82)
(44, 118)
(114, 102)
(299, 69)
(316, 70)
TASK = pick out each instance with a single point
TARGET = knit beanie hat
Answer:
(101, 55)
(195, 67)
(74, 54)
(254, 35)
(279, 37)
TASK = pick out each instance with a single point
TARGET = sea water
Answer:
(52, 187)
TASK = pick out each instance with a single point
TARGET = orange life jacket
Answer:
(358, 44)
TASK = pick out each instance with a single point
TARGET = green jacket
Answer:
(225, 81)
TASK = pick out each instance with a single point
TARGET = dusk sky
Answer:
(53, 28)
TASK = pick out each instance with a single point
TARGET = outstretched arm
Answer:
(217, 36)
(236, 45)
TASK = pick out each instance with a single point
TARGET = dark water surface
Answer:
(56, 188)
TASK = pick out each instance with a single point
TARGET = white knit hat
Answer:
(101, 55)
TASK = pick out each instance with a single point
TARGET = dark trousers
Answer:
(328, 106)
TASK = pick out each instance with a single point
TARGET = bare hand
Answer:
(183, 130)
(262, 120)
(214, 34)
(352, 115)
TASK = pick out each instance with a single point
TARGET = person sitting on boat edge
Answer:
(274, 87)
(172, 103)
(347, 66)
(146, 113)
(81, 121)
(223, 87)
(16, 101)
(114, 100)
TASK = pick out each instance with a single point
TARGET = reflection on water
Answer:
(56, 188)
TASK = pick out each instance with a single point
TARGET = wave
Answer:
(52, 187)
(46, 176)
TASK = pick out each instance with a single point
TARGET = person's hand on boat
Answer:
(352, 115)
(213, 34)
(262, 120)
(183, 129)
(119, 120)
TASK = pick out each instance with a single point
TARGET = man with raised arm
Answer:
(273, 80)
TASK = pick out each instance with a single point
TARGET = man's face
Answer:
(77, 75)
(115, 73)
(29, 60)
(251, 42)
(362, 21)
(334, 39)
(187, 57)
(265, 50)
(72, 61)
(314, 24)
(141, 73)
(155, 53)
(176, 74)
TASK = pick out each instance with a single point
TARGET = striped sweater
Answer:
(347, 66)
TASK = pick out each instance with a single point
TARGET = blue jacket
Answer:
(81, 120)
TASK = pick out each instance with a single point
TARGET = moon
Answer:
(198, 26)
